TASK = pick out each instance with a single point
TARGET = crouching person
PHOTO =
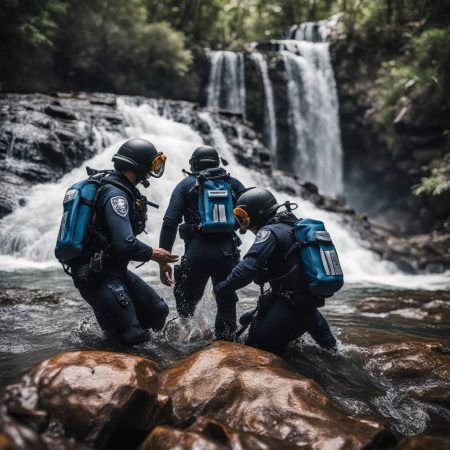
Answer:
(288, 309)
(124, 305)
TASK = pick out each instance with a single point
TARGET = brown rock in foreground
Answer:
(425, 443)
(253, 391)
(208, 434)
(15, 436)
(425, 366)
(98, 398)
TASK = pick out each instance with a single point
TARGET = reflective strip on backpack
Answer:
(330, 262)
(219, 213)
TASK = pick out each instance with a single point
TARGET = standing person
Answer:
(288, 309)
(123, 303)
(207, 254)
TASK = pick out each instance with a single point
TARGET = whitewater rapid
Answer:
(27, 236)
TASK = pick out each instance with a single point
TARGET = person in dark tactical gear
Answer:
(123, 303)
(210, 251)
(287, 309)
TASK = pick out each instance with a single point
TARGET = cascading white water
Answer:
(313, 119)
(310, 31)
(226, 87)
(27, 236)
(313, 115)
(270, 124)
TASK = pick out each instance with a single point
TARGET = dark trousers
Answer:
(125, 306)
(207, 257)
(281, 322)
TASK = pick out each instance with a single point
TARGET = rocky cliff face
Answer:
(42, 137)
(386, 157)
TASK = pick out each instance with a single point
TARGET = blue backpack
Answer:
(74, 230)
(319, 258)
(215, 201)
(78, 216)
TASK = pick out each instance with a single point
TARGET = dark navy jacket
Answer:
(118, 221)
(184, 205)
(266, 261)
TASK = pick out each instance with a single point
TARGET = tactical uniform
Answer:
(288, 309)
(206, 255)
(122, 302)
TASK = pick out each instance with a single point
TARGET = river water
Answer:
(33, 329)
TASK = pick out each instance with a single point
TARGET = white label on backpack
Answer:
(218, 193)
(62, 228)
(120, 205)
(262, 236)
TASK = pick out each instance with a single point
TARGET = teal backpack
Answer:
(318, 257)
(215, 201)
(74, 230)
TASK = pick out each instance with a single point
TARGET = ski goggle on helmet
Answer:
(158, 165)
(242, 217)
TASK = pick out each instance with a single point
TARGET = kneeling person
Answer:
(288, 309)
(123, 303)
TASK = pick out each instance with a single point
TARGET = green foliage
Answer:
(437, 183)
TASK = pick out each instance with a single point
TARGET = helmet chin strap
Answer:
(145, 183)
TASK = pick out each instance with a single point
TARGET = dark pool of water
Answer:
(30, 333)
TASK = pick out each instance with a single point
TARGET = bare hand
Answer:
(165, 274)
(162, 256)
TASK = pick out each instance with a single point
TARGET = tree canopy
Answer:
(131, 45)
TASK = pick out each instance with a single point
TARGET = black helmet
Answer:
(255, 207)
(140, 156)
(204, 157)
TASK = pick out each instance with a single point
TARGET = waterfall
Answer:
(28, 234)
(226, 87)
(310, 31)
(313, 116)
(270, 124)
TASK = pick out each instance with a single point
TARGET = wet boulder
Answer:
(99, 398)
(253, 391)
(15, 436)
(209, 434)
(423, 369)
(424, 443)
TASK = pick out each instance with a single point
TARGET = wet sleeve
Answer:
(251, 265)
(117, 216)
(172, 218)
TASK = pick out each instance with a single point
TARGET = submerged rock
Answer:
(431, 307)
(13, 296)
(98, 398)
(253, 391)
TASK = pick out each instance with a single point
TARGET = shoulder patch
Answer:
(120, 205)
(262, 236)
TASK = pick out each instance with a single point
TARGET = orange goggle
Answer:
(242, 217)
(158, 165)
